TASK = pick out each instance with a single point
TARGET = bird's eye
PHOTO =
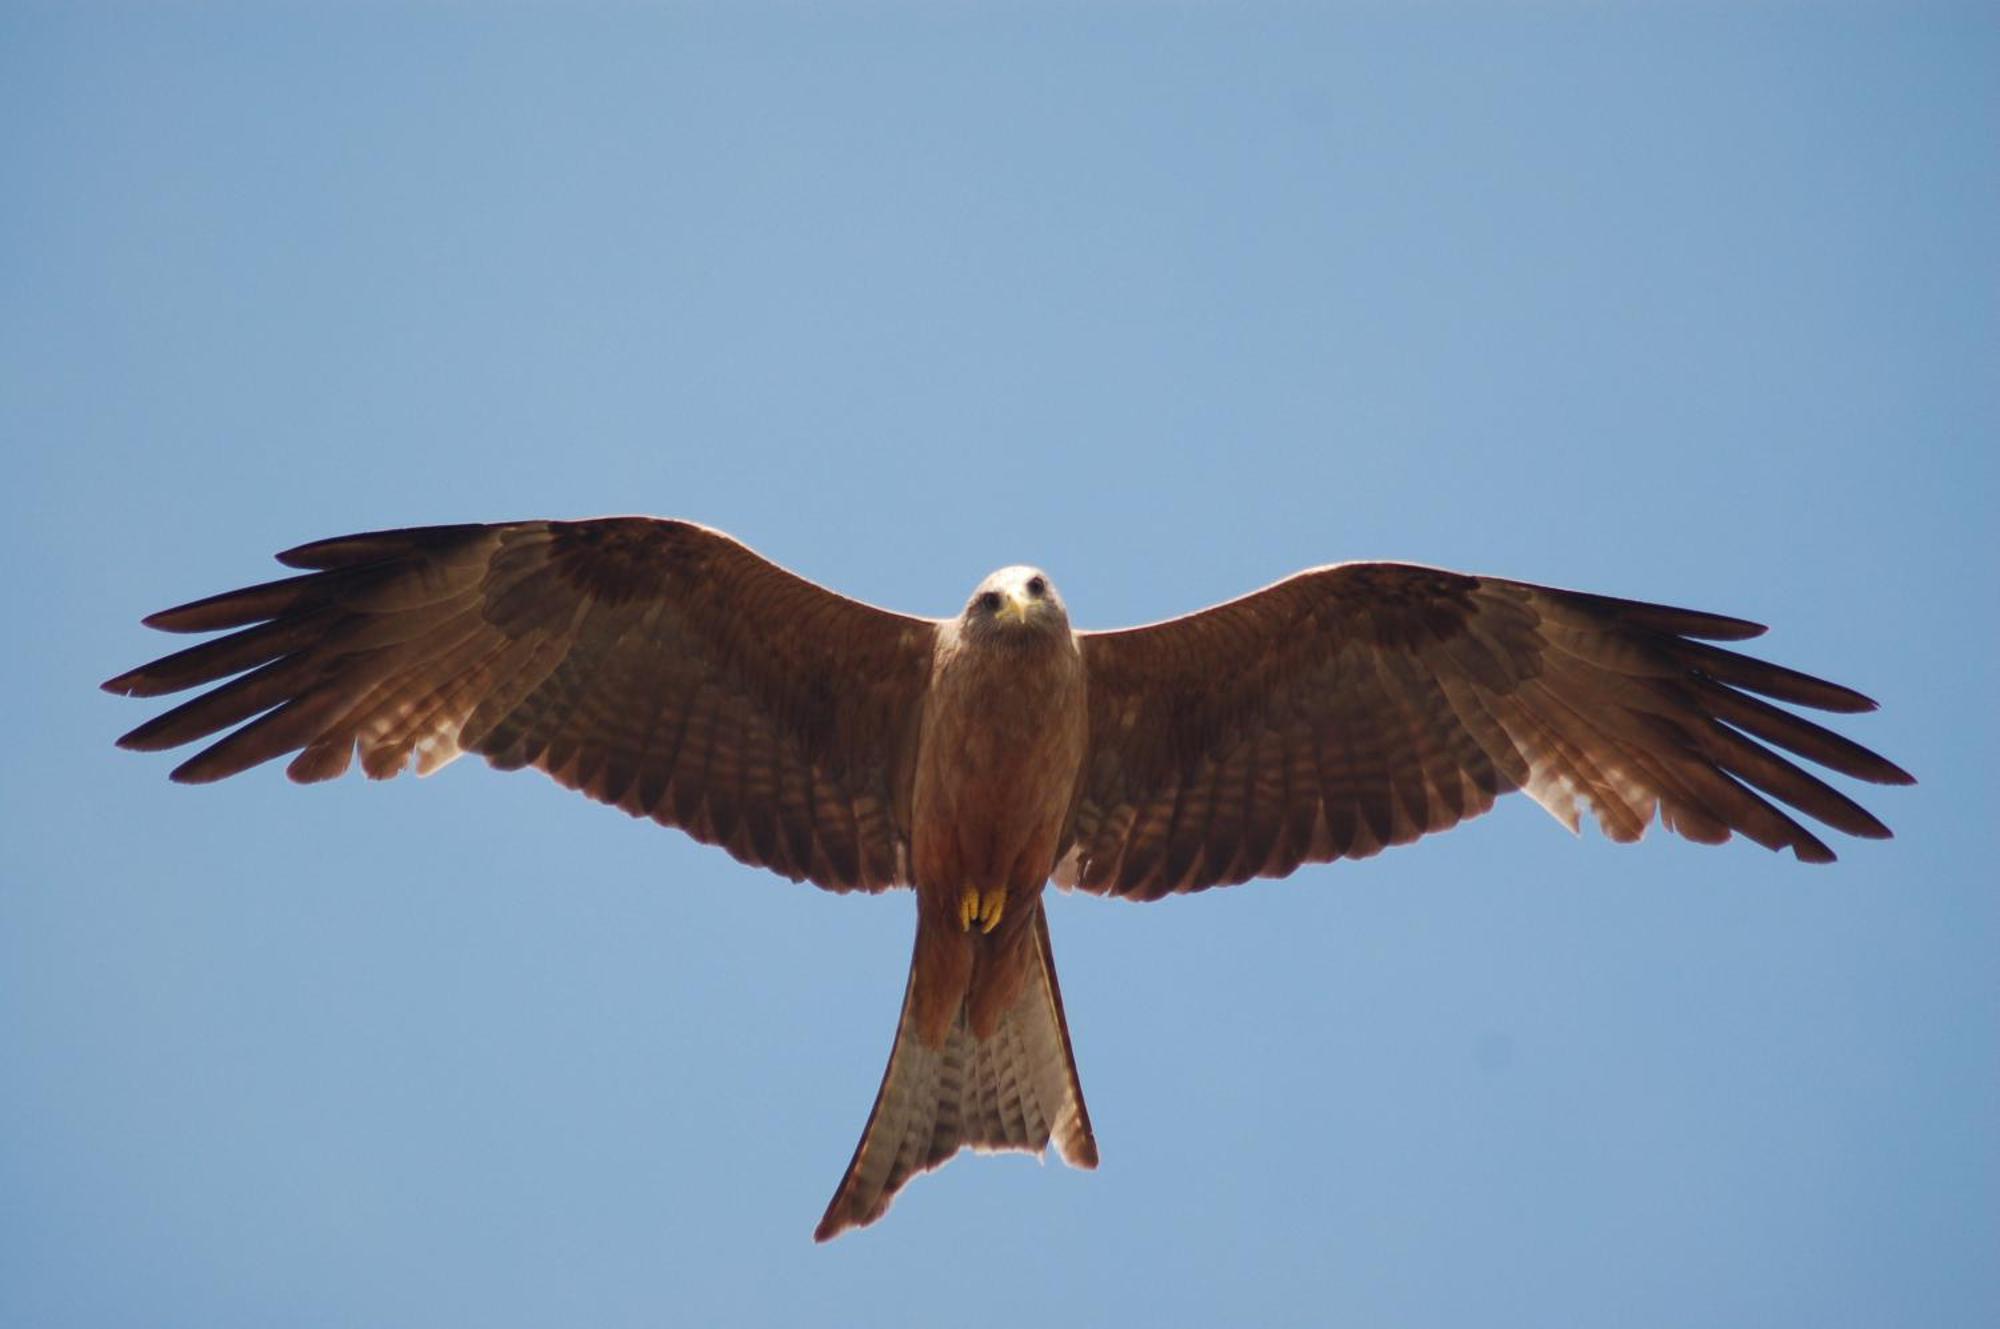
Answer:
(989, 602)
(1037, 587)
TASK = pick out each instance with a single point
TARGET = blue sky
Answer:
(1687, 303)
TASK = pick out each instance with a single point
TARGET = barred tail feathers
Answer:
(1015, 1090)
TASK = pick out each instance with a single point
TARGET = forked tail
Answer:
(1015, 1090)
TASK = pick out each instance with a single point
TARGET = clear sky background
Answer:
(1686, 303)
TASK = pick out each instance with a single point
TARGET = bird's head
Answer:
(1015, 603)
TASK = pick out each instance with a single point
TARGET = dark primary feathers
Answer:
(666, 669)
(1355, 707)
(655, 665)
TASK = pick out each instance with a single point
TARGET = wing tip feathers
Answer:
(192, 771)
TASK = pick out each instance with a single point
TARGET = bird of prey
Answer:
(668, 670)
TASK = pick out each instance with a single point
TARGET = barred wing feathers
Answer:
(655, 665)
(1354, 707)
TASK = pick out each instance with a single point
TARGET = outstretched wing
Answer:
(1355, 707)
(655, 665)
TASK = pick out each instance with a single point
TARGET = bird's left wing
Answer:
(655, 665)
(1354, 707)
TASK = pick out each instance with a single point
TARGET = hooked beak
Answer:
(1013, 609)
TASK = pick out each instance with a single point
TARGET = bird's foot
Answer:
(982, 908)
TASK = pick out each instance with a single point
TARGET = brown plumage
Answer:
(668, 670)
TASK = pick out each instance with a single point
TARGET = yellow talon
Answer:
(981, 908)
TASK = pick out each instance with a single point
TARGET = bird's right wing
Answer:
(1354, 707)
(655, 665)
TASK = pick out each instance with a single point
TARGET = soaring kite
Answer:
(668, 670)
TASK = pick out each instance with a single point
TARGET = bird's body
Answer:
(1006, 707)
(667, 670)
